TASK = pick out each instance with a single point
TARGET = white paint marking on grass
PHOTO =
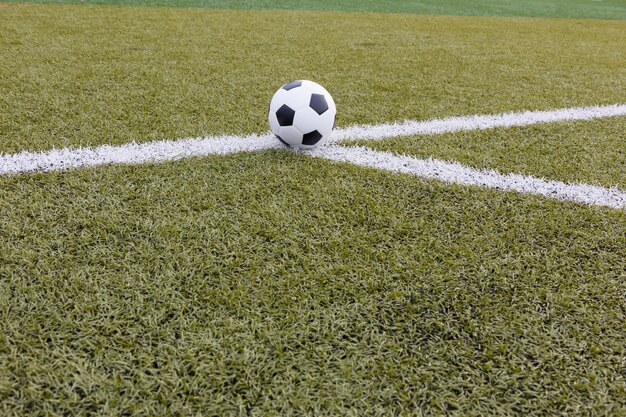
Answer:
(456, 124)
(168, 150)
(133, 153)
(459, 174)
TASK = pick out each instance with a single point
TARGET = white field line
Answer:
(456, 124)
(459, 174)
(133, 153)
(169, 150)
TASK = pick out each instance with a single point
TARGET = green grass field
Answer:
(94, 75)
(271, 283)
(581, 9)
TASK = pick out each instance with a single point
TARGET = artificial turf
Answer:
(579, 9)
(275, 284)
(78, 76)
(272, 284)
(592, 152)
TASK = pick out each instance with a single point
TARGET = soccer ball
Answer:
(302, 114)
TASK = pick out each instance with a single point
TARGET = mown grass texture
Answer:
(580, 9)
(79, 76)
(272, 284)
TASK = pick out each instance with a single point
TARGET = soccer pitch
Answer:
(459, 248)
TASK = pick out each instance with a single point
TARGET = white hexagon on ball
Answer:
(302, 114)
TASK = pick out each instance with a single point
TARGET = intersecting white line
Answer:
(169, 150)
(456, 173)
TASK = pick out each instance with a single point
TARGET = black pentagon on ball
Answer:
(311, 138)
(285, 115)
(318, 103)
(291, 85)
